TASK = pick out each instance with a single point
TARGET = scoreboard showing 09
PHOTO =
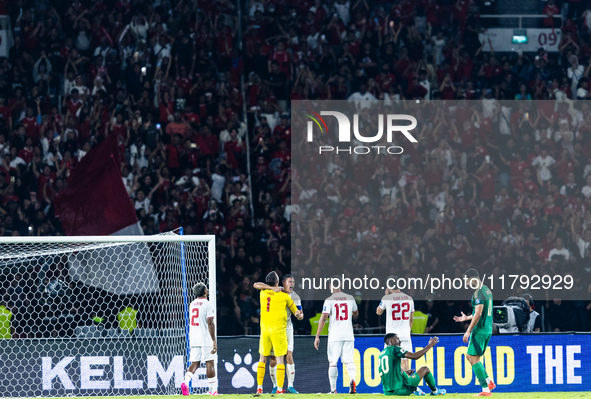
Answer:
(525, 40)
(550, 39)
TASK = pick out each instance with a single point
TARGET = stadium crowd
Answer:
(166, 77)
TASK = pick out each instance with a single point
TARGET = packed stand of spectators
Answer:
(164, 75)
(511, 201)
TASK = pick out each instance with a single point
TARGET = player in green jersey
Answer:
(480, 329)
(400, 383)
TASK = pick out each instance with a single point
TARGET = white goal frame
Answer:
(209, 238)
(102, 241)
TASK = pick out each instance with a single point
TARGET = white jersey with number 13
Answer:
(340, 307)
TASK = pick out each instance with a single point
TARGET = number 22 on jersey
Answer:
(400, 312)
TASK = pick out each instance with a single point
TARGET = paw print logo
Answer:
(243, 377)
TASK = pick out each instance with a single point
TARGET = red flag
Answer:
(95, 201)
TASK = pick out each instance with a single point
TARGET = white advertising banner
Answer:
(502, 39)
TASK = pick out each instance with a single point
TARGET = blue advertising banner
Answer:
(136, 366)
(517, 363)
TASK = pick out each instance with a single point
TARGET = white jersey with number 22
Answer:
(398, 307)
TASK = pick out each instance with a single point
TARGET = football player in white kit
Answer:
(400, 309)
(341, 308)
(287, 285)
(201, 338)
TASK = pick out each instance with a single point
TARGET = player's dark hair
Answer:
(272, 279)
(471, 273)
(199, 290)
(285, 277)
(388, 336)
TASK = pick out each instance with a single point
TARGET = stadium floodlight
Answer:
(519, 36)
(100, 315)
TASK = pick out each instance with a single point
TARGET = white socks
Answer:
(188, 377)
(352, 370)
(273, 375)
(212, 384)
(333, 373)
(488, 379)
(290, 374)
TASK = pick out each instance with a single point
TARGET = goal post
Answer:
(187, 294)
(100, 315)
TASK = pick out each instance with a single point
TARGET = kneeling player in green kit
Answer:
(399, 383)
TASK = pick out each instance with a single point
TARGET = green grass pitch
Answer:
(518, 395)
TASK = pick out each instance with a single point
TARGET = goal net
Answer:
(99, 316)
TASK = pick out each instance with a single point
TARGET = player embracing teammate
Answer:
(287, 286)
(274, 329)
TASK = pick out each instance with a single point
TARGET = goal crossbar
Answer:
(106, 239)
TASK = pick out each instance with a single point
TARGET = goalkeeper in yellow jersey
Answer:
(273, 330)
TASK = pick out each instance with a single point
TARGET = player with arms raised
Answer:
(201, 338)
(273, 330)
(480, 329)
(403, 383)
(287, 285)
(341, 308)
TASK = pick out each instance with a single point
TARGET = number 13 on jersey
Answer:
(342, 311)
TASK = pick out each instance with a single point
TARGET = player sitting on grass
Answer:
(399, 383)
(201, 338)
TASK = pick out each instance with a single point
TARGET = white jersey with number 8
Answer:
(200, 310)
(399, 307)
(340, 307)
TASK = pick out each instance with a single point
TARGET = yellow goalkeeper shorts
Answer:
(276, 341)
